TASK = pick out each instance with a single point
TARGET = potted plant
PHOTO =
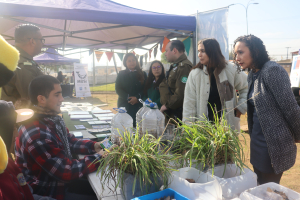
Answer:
(138, 165)
(208, 143)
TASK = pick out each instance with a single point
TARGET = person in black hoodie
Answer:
(130, 85)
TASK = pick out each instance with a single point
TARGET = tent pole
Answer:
(64, 38)
(94, 70)
(115, 62)
(194, 45)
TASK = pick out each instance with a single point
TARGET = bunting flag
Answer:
(137, 56)
(187, 45)
(133, 52)
(121, 56)
(141, 61)
(91, 51)
(98, 55)
(146, 56)
(155, 51)
(150, 51)
(109, 55)
(165, 42)
(161, 44)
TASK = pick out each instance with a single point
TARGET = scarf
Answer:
(60, 126)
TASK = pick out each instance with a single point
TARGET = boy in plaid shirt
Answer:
(44, 146)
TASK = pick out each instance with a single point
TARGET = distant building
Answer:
(286, 64)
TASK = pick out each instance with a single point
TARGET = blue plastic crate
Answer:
(164, 193)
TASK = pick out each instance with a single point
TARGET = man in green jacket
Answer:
(29, 42)
(172, 88)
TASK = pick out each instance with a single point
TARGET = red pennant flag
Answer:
(109, 55)
(98, 55)
(165, 42)
(133, 52)
(150, 51)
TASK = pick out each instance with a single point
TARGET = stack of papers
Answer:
(77, 134)
(98, 122)
(101, 111)
(100, 126)
(105, 118)
(87, 120)
(79, 126)
(78, 113)
(105, 115)
(81, 117)
(103, 130)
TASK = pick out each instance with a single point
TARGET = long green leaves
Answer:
(142, 156)
(208, 143)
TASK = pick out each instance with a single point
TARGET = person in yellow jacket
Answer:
(29, 42)
(172, 88)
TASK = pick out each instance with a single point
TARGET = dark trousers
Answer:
(80, 189)
(263, 178)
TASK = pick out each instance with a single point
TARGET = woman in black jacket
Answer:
(130, 85)
(273, 113)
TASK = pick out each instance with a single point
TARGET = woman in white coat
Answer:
(213, 83)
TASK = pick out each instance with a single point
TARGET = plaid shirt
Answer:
(41, 157)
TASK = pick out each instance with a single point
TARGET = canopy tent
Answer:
(52, 56)
(92, 24)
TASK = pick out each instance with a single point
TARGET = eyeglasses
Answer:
(42, 40)
(158, 67)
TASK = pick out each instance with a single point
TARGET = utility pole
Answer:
(287, 52)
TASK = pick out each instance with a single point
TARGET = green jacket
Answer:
(154, 95)
(172, 88)
(128, 85)
(17, 87)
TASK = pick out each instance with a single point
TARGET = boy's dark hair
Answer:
(257, 50)
(41, 85)
(177, 44)
(25, 31)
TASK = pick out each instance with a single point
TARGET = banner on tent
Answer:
(82, 86)
(214, 25)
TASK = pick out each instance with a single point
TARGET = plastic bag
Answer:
(205, 187)
(233, 181)
(263, 192)
(153, 121)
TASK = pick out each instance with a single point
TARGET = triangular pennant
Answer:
(98, 55)
(90, 52)
(164, 45)
(121, 56)
(137, 56)
(187, 45)
(109, 55)
(133, 52)
(141, 61)
(155, 51)
(150, 51)
(161, 44)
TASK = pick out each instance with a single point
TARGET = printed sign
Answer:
(82, 86)
(295, 72)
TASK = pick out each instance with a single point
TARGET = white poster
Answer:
(213, 24)
(295, 72)
(82, 86)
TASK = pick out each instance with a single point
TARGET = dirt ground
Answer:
(289, 178)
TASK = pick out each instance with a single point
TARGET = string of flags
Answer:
(163, 43)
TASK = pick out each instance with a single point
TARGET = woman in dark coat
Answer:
(130, 85)
(273, 113)
(155, 77)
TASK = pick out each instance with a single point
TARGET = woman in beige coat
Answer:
(212, 85)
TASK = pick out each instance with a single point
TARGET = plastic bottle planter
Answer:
(205, 187)
(120, 123)
(234, 181)
(266, 192)
(141, 112)
(128, 181)
(153, 121)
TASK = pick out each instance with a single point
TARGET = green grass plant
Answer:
(142, 156)
(209, 143)
(103, 88)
